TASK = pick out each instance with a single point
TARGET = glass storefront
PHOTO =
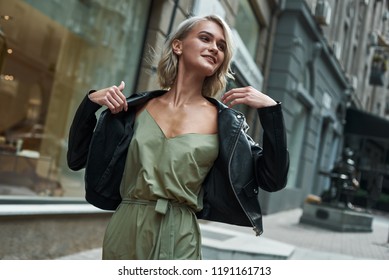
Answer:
(51, 53)
(248, 27)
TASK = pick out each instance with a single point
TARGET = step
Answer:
(224, 244)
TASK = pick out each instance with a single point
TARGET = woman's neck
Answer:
(186, 90)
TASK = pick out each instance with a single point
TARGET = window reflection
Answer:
(51, 53)
(248, 27)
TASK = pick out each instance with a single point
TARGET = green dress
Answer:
(161, 191)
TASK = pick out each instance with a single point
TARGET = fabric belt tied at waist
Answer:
(161, 204)
(165, 242)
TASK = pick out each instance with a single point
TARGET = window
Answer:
(248, 27)
(55, 52)
(295, 143)
(345, 44)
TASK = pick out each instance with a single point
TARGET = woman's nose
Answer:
(213, 48)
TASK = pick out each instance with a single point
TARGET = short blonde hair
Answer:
(168, 64)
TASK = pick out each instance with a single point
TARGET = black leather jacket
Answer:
(231, 186)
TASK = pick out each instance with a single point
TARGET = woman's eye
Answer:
(222, 47)
(204, 38)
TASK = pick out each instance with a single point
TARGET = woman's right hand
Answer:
(112, 97)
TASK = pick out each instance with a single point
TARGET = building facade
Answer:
(307, 77)
(357, 32)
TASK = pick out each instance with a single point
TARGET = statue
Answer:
(343, 181)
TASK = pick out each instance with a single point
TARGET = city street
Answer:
(308, 242)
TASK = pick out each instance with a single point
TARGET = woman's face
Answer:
(203, 48)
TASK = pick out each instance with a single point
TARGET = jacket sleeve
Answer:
(80, 134)
(272, 160)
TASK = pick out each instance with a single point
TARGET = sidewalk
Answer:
(317, 243)
(285, 237)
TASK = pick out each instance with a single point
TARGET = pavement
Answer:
(285, 237)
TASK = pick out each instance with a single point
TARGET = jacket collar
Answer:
(142, 97)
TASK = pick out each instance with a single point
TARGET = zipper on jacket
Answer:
(256, 230)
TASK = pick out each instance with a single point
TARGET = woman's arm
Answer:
(84, 122)
(272, 159)
(80, 133)
(272, 163)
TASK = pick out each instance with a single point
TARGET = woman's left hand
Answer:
(248, 96)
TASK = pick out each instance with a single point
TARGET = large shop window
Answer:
(55, 51)
(248, 27)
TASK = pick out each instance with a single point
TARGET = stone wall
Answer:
(50, 234)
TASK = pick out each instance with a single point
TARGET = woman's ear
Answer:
(177, 46)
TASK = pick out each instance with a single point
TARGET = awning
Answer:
(366, 124)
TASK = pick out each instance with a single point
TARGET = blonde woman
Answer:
(163, 159)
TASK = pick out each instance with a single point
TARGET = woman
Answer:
(164, 158)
